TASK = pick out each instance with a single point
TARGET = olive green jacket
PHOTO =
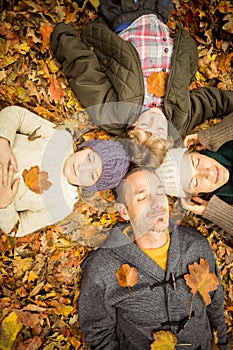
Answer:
(104, 71)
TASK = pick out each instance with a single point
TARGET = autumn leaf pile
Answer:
(40, 273)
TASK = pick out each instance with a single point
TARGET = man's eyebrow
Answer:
(140, 191)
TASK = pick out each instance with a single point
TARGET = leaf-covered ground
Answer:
(40, 273)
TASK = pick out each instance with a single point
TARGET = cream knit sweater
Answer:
(48, 151)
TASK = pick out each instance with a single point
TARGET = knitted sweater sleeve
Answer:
(220, 213)
(27, 221)
(213, 138)
(17, 119)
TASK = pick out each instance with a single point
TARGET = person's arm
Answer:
(26, 221)
(15, 119)
(214, 137)
(81, 67)
(97, 319)
(96, 86)
(207, 103)
(219, 213)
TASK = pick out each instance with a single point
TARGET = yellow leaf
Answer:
(23, 48)
(9, 330)
(66, 310)
(95, 4)
(201, 280)
(32, 276)
(22, 265)
(52, 65)
(164, 340)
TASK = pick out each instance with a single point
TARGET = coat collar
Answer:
(123, 246)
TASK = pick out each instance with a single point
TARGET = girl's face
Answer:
(206, 173)
(83, 168)
(153, 120)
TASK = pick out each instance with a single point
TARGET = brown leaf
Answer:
(45, 31)
(201, 280)
(164, 340)
(55, 89)
(127, 276)
(157, 83)
(36, 180)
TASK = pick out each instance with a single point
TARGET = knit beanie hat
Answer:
(115, 163)
(170, 172)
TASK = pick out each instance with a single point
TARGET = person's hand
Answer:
(197, 207)
(193, 140)
(7, 157)
(7, 191)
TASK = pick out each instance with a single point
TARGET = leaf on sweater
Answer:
(127, 276)
(157, 83)
(164, 340)
(201, 280)
(36, 180)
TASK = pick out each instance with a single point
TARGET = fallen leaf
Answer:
(46, 31)
(9, 330)
(36, 180)
(201, 280)
(127, 276)
(55, 89)
(157, 83)
(164, 340)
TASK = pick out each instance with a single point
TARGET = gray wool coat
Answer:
(116, 318)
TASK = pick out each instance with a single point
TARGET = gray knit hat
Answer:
(115, 163)
(171, 172)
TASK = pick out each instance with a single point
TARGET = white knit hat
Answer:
(170, 171)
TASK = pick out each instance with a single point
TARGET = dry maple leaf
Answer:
(45, 30)
(201, 280)
(157, 83)
(164, 340)
(36, 180)
(55, 90)
(127, 276)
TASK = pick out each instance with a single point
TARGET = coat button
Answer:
(91, 48)
(105, 61)
(166, 50)
(164, 38)
(164, 69)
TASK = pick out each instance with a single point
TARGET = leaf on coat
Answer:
(157, 83)
(164, 340)
(201, 280)
(127, 276)
(36, 180)
(9, 330)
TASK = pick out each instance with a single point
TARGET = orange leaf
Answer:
(164, 340)
(55, 89)
(45, 32)
(127, 276)
(36, 180)
(157, 83)
(201, 280)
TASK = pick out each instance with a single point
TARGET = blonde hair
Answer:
(156, 146)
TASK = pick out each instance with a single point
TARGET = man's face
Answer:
(146, 203)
